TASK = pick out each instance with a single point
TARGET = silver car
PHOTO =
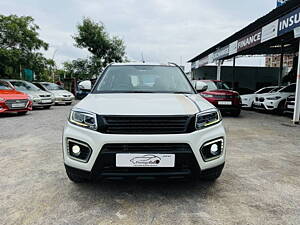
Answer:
(39, 97)
(61, 95)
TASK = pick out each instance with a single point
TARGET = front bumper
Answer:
(63, 100)
(268, 105)
(4, 108)
(96, 141)
(41, 102)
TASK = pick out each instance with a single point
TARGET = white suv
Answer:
(274, 102)
(143, 121)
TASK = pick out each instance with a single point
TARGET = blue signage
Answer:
(289, 22)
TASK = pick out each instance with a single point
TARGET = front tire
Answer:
(22, 113)
(47, 107)
(236, 113)
(69, 103)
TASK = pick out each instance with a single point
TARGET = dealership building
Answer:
(277, 33)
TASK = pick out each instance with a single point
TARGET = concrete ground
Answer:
(260, 183)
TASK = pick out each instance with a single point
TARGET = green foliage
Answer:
(103, 48)
(19, 43)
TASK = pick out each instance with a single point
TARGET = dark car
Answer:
(221, 96)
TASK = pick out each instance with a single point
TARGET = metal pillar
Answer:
(281, 66)
(219, 70)
(233, 74)
(297, 95)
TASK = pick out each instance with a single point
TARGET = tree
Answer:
(19, 43)
(104, 49)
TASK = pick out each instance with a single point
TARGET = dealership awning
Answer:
(273, 33)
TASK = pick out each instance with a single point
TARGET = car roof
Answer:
(142, 64)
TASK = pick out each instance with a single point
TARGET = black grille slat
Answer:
(146, 124)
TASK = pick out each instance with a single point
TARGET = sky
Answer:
(162, 30)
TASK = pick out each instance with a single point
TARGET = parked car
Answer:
(40, 98)
(248, 100)
(274, 102)
(136, 110)
(61, 95)
(290, 104)
(221, 96)
(13, 101)
(83, 88)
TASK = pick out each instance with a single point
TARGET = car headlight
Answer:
(2, 99)
(274, 98)
(207, 95)
(208, 118)
(83, 119)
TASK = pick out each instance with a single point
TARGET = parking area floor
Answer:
(260, 183)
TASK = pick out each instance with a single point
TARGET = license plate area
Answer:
(18, 105)
(46, 101)
(145, 160)
(225, 103)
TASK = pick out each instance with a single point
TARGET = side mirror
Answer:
(200, 86)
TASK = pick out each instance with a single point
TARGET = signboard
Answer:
(221, 53)
(233, 48)
(289, 22)
(281, 2)
(269, 31)
(249, 40)
(297, 32)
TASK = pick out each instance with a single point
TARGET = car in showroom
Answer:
(13, 101)
(290, 104)
(221, 96)
(275, 101)
(40, 98)
(61, 95)
(248, 99)
(144, 121)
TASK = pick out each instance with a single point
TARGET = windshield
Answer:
(291, 88)
(24, 86)
(264, 90)
(5, 86)
(143, 79)
(216, 85)
(275, 89)
(52, 87)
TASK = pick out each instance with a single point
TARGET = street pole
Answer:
(281, 66)
(219, 70)
(233, 74)
(297, 95)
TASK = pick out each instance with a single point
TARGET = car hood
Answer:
(36, 93)
(248, 96)
(282, 94)
(144, 104)
(12, 94)
(221, 92)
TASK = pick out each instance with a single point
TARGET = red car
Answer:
(220, 95)
(12, 100)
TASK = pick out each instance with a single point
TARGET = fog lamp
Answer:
(76, 150)
(214, 150)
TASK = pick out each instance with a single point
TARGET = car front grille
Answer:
(45, 96)
(146, 124)
(10, 103)
(185, 161)
(224, 96)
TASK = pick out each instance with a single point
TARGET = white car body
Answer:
(131, 105)
(273, 101)
(248, 99)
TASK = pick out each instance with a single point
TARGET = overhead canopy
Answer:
(271, 34)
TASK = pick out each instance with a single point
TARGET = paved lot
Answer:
(260, 183)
